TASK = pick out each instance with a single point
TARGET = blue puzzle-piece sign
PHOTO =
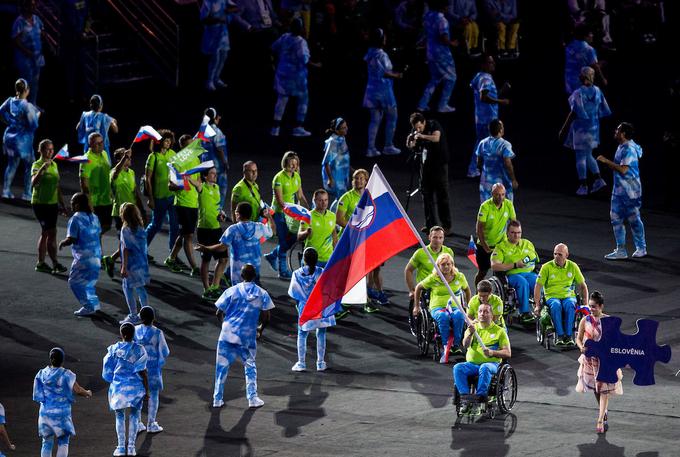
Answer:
(639, 351)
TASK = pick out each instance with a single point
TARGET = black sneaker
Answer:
(108, 263)
(181, 264)
(370, 309)
(59, 268)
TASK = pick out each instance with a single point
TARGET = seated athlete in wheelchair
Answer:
(443, 312)
(513, 261)
(559, 306)
(485, 295)
(485, 383)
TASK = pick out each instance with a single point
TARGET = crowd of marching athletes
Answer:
(188, 190)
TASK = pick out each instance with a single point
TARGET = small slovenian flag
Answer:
(179, 178)
(147, 132)
(63, 155)
(205, 132)
(297, 212)
(472, 252)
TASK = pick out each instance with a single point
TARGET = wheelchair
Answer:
(501, 397)
(545, 329)
(294, 255)
(425, 329)
(501, 287)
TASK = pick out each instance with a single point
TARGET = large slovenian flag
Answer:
(147, 132)
(205, 132)
(378, 230)
(297, 212)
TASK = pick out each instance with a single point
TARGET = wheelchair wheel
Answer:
(423, 334)
(540, 336)
(456, 400)
(294, 255)
(437, 347)
(506, 388)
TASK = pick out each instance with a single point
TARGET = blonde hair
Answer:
(444, 256)
(361, 171)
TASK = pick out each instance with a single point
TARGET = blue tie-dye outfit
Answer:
(336, 155)
(91, 122)
(484, 112)
(588, 105)
(627, 196)
(493, 151)
(121, 366)
(28, 66)
(157, 351)
(218, 141)
(134, 242)
(578, 54)
(21, 117)
(290, 79)
(301, 284)
(53, 389)
(215, 41)
(379, 96)
(241, 305)
(243, 240)
(439, 59)
(84, 228)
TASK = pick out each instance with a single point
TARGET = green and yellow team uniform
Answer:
(97, 172)
(157, 163)
(209, 206)
(495, 220)
(189, 198)
(439, 293)
(47, 192)
(247, 192)
(348, 202)
(494, 337)
(496, 308)
(123, 190)
(421, 262)
(506, 252)
(558, 282)
(321, 239)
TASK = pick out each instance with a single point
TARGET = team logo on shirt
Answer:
(363, 215)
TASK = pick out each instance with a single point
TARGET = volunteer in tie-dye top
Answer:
(3, 432)
(124, 368)
(320, 233)
(27, 33)
(216, 150)
(134, 265)
(578, 54)
(379, 96)
(486, 105)
(439, 57)
(21, 117)
(287, 188)
(335, 168)
(95, 180)
(243, 242)
(96, 121)
(239, 308)
(301, 285)
(588, 105)
(54, 387)
(290, 79)
(153, 340)
(441, 307)
(494, 157)
(517, 257)
(626, 193)
(83, 234)
(214, 15)
(558, 279)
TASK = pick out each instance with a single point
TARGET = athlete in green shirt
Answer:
(95, 180)
(481, 361)
(484, 295)
(209, 232)
(518, 259)
(247, 190)
(557, 279)
(492, 219)
(46, 201)
(320, 233)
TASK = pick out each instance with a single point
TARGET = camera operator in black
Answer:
(427, 141)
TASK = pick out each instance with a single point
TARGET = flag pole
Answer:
(377, 170)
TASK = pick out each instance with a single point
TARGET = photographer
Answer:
(428, 143)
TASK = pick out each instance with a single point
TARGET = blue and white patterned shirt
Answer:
(21, 117)
(243, 240)
(91, 122)
(153, 340)
(85, 229)
(53, 389)
(336, 155)
(122, 363)
(293, 55)
(301, 285)
(484, 112)
(215, 36)
(379, 93)
(241, 305)
(493, 151)
(578, 54)
(137, 262)
(628, 185)
(588, 105)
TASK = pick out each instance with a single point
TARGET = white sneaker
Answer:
(639, 253)
(218, 403)
(154, 428)
(321, 366)
(141, 427)
(299, 367)
(255, 402)
(474, 174)
(446, 109)
(275, 131)
(391, 150)
(84, 312)
(597, 185)
(300, 131)
(442, 359)
(131, 318)
(119, 451)
(131, 451)
(372, 153)
(221, 84)
(617, 254)
(26, 197)
(8, 195)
